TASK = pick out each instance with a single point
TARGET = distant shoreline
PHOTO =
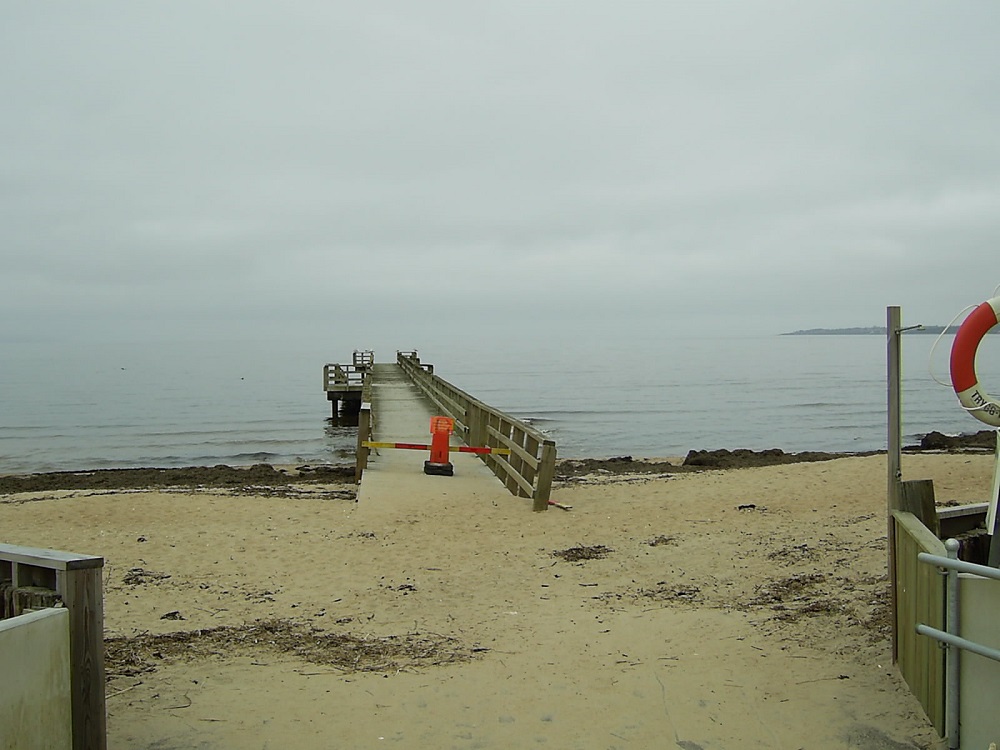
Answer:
(869, 331)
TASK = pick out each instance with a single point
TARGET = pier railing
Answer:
(528, 470)
(344, 383)
(343, 377)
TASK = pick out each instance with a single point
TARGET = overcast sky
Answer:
(232, 168)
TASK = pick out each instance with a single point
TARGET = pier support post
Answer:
(476, 424)
(546, 473)
(364, 435)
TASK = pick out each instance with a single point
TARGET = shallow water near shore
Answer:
(78, 406)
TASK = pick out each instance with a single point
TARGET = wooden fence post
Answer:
(546, 473)
(916, 496)
(83, 595)
(364, 434)
(477, 430)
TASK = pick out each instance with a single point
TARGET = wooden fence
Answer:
(920, 598)
(36, 578)
(528, 470)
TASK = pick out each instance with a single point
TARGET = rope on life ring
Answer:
(964, 380)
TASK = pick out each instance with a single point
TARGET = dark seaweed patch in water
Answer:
(578, 554)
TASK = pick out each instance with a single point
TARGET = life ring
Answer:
(963, 363)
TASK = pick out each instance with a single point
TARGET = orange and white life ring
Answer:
(964, 380)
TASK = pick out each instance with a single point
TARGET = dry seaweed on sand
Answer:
(141, 576)
(578, 554)
(130, 656)
(786, 589)
(660, 539)
(576, 469)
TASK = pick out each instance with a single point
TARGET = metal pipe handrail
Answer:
(950, 637)
(956, 640)
(960, 565)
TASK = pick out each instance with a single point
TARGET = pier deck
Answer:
(394, 403)
(394, 479)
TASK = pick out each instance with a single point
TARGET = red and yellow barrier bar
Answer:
(423, 447)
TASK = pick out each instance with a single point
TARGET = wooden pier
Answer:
(344, 384)
(394, 404)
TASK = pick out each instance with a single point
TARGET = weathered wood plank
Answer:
(919, 599)
(31, 598)
(83, 596)
(49, 558)
(364, 435)
(916, 496)
(502, 441)
(543, 482)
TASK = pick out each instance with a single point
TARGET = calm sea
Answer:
(178, 404)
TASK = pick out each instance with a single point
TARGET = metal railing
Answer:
(950, 636)
(528, 470)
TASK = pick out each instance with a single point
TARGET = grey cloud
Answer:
(804, 164)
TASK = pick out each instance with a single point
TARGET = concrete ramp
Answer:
(394, 480)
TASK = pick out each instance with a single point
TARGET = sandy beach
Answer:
(701, 609)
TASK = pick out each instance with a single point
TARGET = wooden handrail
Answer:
(528, 471)
(337, 377)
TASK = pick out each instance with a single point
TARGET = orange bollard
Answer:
(441, 429)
